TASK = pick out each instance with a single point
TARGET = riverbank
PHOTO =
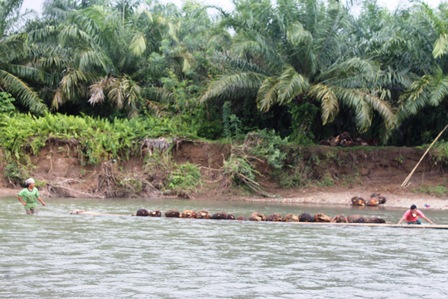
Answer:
(335, 196)
(342, 197)
(333, 175)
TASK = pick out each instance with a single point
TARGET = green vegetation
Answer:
(96, 139)
(400, 159)
(6, 103)
(266, 145)
(298, 176)
(351, 180)
(230, 122)
(165, 175)
(262, 147)
(438, 191)
(305, 68)
(240, 170)
(15, 173)
(185, 177)
(440, 154)
(326, 181)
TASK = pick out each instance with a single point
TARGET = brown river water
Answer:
(58, 255)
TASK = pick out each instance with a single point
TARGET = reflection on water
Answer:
(57, 255)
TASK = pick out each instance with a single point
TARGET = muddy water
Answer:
(57, 255)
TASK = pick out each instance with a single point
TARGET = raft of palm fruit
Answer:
(302, 219)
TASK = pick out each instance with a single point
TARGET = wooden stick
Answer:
(405, 182)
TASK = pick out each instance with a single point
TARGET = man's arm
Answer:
(427, 219)
(404, 217)
(41, 201)
(420, 213)
(21, 200)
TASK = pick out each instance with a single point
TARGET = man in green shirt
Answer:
(28, 197)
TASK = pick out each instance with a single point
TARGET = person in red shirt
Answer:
(411, 216)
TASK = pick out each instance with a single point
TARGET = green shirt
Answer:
(30, 197)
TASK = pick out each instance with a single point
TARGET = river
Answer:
(58, 255)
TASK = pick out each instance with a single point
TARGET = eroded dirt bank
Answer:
(334, 175)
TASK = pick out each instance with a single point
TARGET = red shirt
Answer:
(410, 218)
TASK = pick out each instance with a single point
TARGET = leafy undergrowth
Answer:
(438, 190)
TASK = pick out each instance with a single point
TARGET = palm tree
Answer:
(92, 55)
(431, 88)
(424, 42)
(182, 63)
(116, 55)
(14, 67)
(298, 51)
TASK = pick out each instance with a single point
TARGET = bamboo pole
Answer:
(405, 182)
(423, 226)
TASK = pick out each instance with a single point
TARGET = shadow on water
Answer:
(57, 255)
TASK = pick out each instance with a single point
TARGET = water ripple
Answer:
(55, 255)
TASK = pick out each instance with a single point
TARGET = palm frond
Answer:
(53, 61)
(440, 46)
(58, 99)
(384, 109)
(145, 15)
(366, 104)
(291, 84)
(22, 92)
(12, 48)
(23, 71)
(123, 91)
(297, 35)
(72, 81)
(73, 32)
(157, 94)
(219, 40)
(239, 64)
(116, 94)
(138, 44)
(90, 57)
(300, 49)
(187, 60)
(439, 89)
(353, 72)
(133, 90)
(172, 31)
(41, 34)
(56, 9)
(327, 30)
(267, 94)
(416, 97)
(328, 100)
(98, 89)
(7, 10)
(233, 86)
(403, 78)
(255, 45)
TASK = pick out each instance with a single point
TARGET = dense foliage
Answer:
(309, 69)
(96, 139)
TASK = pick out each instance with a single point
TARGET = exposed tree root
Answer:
(113, 183)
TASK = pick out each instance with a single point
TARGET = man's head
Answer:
(29, 181)
(413, 207)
